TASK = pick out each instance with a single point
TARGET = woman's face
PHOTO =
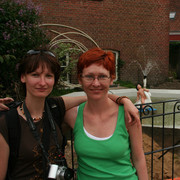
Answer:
(139, 86)
(95, 81)
(39, 83)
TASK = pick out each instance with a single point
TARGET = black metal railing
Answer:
(163, 118)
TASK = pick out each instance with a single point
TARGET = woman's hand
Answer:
(3, 102)
(131, 112)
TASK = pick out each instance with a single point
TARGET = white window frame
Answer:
(172, 15)
(116, 54)
(64, 66)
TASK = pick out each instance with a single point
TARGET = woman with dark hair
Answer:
(103, 140)
(38, 72)
(143, 95)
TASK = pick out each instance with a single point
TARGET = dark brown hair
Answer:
(31, 62)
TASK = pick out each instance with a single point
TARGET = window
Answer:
(64, 63)
(172, 15)
(116, 55)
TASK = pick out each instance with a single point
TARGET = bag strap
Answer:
(56, 110)
(14, 134)
(58, 114)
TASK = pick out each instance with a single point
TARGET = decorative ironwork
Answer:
(64, 37)
(164, 111)
(146, 111)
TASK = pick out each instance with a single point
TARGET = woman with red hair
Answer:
(103, 140)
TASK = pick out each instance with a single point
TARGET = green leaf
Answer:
(1, 59)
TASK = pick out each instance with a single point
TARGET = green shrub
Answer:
(19, 32)
(127, 84)
(60, 92)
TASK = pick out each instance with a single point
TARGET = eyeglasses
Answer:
(91, 78)
(32, 52)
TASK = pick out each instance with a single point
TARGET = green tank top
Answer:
(103, 159)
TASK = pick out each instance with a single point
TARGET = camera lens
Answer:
(69, 173)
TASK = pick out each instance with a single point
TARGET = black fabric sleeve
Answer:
(3, 128)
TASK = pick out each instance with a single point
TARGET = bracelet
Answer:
(119, 99)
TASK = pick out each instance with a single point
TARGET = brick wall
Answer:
(175, 23)
(139, 29)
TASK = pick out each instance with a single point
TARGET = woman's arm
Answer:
(131, 112)
(137, 99)
(147, 90)
(71, 102)
(4, 156)
(138, 157)
(70, 116)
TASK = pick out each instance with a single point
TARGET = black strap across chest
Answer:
(48, 118)
(14, 130)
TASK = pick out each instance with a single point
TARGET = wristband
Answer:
(119, 99)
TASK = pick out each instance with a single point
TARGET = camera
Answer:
(60, 172)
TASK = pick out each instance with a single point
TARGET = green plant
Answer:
(60, 92)
(125, 84)
(175, 43)
(19, 32)
(68, 57)
(172, 74)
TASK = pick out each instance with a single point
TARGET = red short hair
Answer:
(98, 56)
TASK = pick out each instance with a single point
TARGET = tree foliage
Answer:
(19, 32)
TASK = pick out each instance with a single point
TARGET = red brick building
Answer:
(137, 30)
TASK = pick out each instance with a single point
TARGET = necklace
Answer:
(36, 119)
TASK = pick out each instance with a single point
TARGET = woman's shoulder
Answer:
(71, 115)
(52, 101)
